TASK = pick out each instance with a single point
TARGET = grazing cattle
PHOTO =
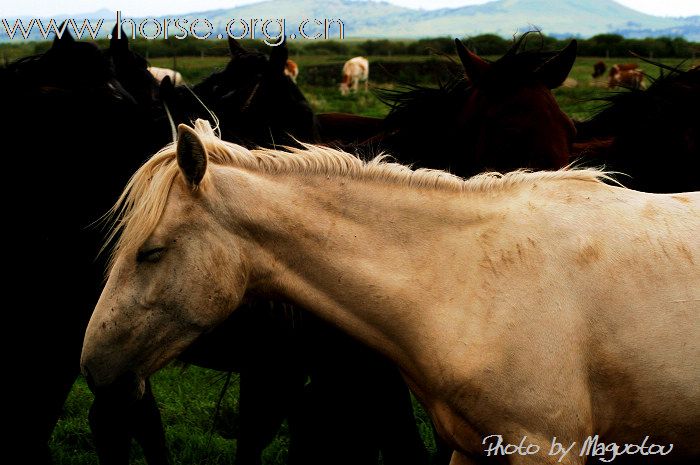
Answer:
(355, 70)
(531, 306)
(598, 69)
(161, 73)
(626, 75)
(291, 69)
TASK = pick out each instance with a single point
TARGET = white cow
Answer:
(160, 73)
(354, 70)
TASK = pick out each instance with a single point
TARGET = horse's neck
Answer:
(365, 256)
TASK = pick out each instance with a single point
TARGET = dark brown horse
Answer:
(500, 116)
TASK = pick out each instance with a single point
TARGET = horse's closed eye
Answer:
(150, 255)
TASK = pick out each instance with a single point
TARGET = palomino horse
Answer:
(355, 70)
(529, 306)
(274, 354)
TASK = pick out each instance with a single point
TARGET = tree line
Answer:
(603, 45)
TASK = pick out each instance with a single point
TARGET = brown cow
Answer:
(292, 70)
(626, 75)
(599, 69)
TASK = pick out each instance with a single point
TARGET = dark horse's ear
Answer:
(235, 48)
(66, 38)
(555, 70)
(191, 155)
(118, 42)
(474, 66)
(278, 58)
(166, 89)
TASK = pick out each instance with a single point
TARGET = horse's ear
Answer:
(235, 48)
(278, 58)
(555, 70)
(191, 155)
(166, 89)
(65, 38)
(474, 66)
(119, 42)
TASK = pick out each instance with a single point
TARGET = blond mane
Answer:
(139, 208)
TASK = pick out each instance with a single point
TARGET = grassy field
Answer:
(579, 102)
(187, 398)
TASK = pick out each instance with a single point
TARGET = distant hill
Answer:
(373, 19)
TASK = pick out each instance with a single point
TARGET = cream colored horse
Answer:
(528, 306)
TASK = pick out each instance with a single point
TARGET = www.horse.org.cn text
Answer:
(273, 31)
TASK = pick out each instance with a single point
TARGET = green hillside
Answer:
(376, 19)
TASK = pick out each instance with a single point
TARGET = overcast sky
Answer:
(10, 8)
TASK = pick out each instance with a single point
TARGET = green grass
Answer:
(579, 102)
(187, 398)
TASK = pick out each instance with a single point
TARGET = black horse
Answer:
(63, 123)
(652, 135)
(256, 103)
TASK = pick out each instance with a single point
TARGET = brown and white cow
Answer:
(355, 70)
(160, 73)
(626, 75)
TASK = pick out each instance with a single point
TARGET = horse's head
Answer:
(511, 113)
(503, 116)
(256, 101)
(79, 67)
(131, 69)
(174, 276)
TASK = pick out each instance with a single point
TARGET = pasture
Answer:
(579, 102)
(189, 396)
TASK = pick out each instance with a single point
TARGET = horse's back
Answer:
(577, 304)
(633, 262)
